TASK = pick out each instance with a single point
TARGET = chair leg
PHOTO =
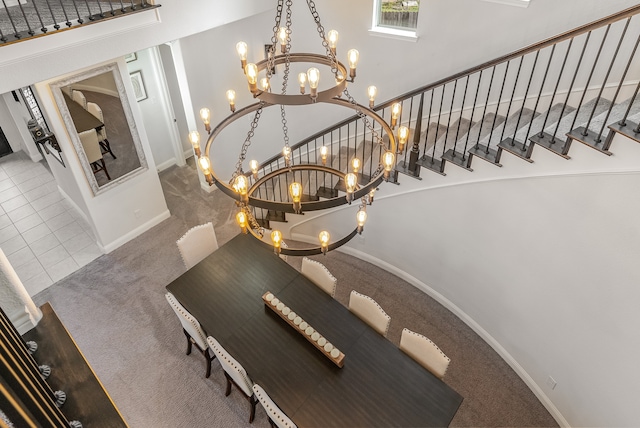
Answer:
(104, 168)
(107, 148)
(228, 391)
(271, 423)
(208, 356)
(253, 402)
(189, 343)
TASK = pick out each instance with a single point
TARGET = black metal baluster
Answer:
(100, 7)
(544, 79)
(133, 6)
(495, 117)
(43, 28)
(410, 114)
(53, 17)
(446, 135)
(513, 94)
(555, 90)
(473, 108)
(122, 9)
(68, 23)
(24, 15)
(426, 136)
(75, 6)
(586, 85)
(113, 12)
(412, 168)
(606, 77)
(486, 104)
(91, 18)
(2, 37)
(16, 34)
(464, 97)
(435, 142)
(512, 143)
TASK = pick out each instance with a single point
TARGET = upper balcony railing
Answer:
(23, 20)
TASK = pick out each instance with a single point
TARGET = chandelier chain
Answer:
(274, 38)
(247, 142)
(329, 52)
(285, 78)
(364, 118)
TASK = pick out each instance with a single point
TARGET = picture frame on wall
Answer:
(138, 85)
(130, 57)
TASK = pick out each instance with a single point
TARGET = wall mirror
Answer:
(96, 112)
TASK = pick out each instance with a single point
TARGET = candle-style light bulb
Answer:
(253, 164)
(276, 239)
(205, 115)
(286, 152)
(205, 166)
(355, 164)
(241, 185)
(282, 36)
(372, 193)
(264, 83)
(231, 97)
(361, 218)
(242, 220)
(194, 138)
(350, 183)
(295, 190)
(251, 70)
(353, 56)
(332, 40)
(313, 75)
(302, 79)
(395, 114)
(389, 162)
(324, 151)
(372, 91)
(242, 50)
(403, 137)
(324, 241)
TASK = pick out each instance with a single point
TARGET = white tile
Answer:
(3, 175)
(62, 269)
(87, 255)
(26, 175)
(52, 211)
(69, 231)
(14, 203)
(8, 233)
(20, 213)
(37, 283)
(10, 193)
(6, 184)
(36, 233)
(5, 221)
(28, 222)
(46, 200)
(53, 256)
(21, 257)
(61, 220)
(44, 244)
(36, 193)
(32, 183)
(77, 243)
(12, 245)
(29, 270)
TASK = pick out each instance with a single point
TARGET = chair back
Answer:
(232, 367)
(197, 243)
(425, 352)
(79, 98)
(275, 414)
(369, 311)
(319, 275)
(90, 144)
(188, 321)
(96, 111)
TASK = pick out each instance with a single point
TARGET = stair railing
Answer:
(535, 95)
(21, 20)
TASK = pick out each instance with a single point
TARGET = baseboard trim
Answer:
(167, 164)
(504, 354)
(135, 232)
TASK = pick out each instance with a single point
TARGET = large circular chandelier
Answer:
(252, 188)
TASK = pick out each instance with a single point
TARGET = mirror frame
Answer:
(56, 88)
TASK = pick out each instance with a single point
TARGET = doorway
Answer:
(5, 148)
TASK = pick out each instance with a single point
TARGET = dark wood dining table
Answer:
(82, 119)
(379, 384)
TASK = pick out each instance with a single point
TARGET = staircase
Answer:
(580, 86)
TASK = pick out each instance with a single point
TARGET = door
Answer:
(5, 148)
(180, 118)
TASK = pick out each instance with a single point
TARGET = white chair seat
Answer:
(425, 352)
(369, 311)
(197, 243)
(319, 275)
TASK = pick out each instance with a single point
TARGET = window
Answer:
(396, 18)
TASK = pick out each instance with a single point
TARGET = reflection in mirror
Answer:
(97, 114)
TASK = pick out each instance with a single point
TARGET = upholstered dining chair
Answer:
(235, 374)
(319, 275)
(192, 330)
(369, 311)
(91, 146)
(277, 418)
(79, 97)
(197, 243)
(96, 111)
(425, 352)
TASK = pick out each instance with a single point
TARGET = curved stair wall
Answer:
(538, 258)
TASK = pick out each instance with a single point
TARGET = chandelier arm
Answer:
(312, 251)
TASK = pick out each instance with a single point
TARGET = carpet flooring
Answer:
(116, 311)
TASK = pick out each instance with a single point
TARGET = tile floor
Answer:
(41, 233)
